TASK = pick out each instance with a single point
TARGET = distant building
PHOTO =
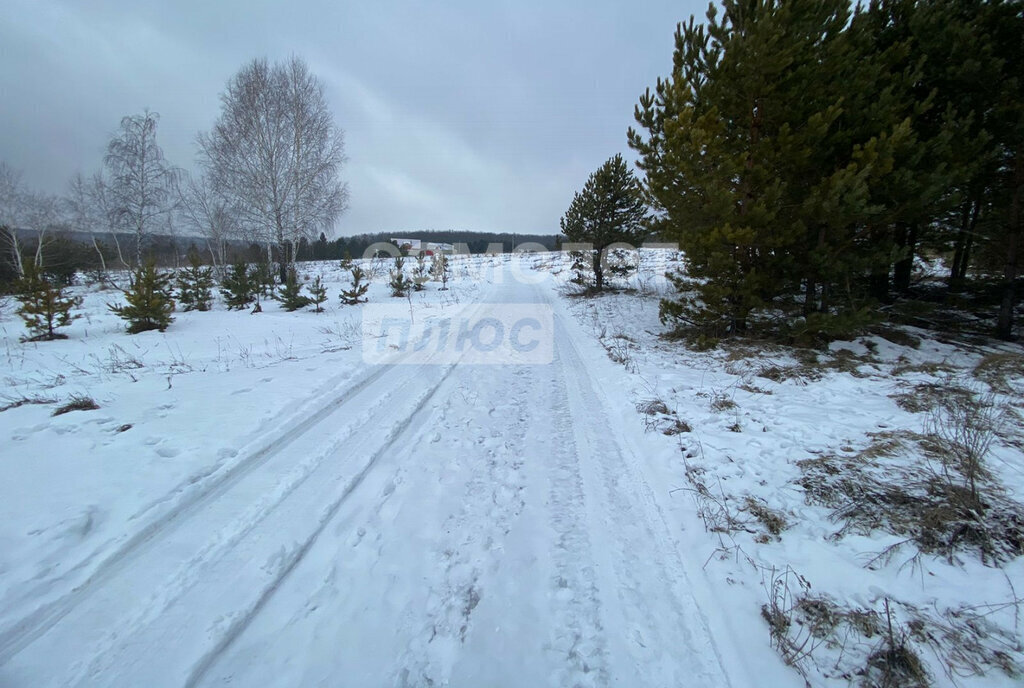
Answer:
(415, 247)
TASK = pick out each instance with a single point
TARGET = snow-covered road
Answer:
(464, 525)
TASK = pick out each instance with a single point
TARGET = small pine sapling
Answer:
(291, 296)
(149, 300)
(400, 284)
(318, 293)
(441, 270)
(346, 261)
(44, 305)
(195, 284)
(237, 287)
(263, 279)
(420, 273)
(355, 295)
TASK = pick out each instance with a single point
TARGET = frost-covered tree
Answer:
(399, 283)
(276, 153)
(140, 183)
(420, 273)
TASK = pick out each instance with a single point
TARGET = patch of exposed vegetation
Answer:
(77, 403)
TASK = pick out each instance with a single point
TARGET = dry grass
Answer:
(998, 369)
(772, 520)
(927, 396)
(26, 401)
(892, 485)
(77, 403)
(882, 645)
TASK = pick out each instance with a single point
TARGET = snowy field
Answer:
(255, 504)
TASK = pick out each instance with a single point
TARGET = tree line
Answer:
(804, 155)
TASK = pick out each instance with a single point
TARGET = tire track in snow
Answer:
(634, 521)
(33, 626)
(492, 499)
(579, 636)
(245, 617)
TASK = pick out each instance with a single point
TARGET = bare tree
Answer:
(210, 214)
(276, 152)
(83, 212)
(140, 186)
(23, 210)
(12, 198)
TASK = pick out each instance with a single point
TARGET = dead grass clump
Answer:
(676, 426)
(753, 389)
(770, 519)
(927, 396)
(652, 407)
(77, 403)
(933, 368)
(910, 498)
(658, 418)
(883, 647)
(998, 369)
(721, 402)
(26, 401)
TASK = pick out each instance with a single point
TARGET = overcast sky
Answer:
(471, 114)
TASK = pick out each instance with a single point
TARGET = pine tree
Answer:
(760, 154)
(609, 210)
(149, 300)
(263, 279)
(318, 292)
(441, 270)
(291, 296)
(420, 273)
(354, 296)
(400, 284)
(238, 286)
(195, 285)
(44, 305)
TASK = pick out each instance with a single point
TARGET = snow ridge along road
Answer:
(461, 525)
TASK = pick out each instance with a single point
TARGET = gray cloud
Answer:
(470, 115)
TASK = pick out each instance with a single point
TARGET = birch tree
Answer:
(140, 183)
(276, 152)
(210, 214)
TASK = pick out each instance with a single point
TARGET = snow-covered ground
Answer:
(256, 504)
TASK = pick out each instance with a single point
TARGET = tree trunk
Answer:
(1004, 326)
(907, 237)
(598, 271)
(962, 246)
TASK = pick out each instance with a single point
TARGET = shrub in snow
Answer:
(318, 294)
(441, 270)
(44, 306)
(291, 296)
(355, 295)
(420, 273)
(194, 285)
(149, 300)
(238, 286)
(400, 284)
